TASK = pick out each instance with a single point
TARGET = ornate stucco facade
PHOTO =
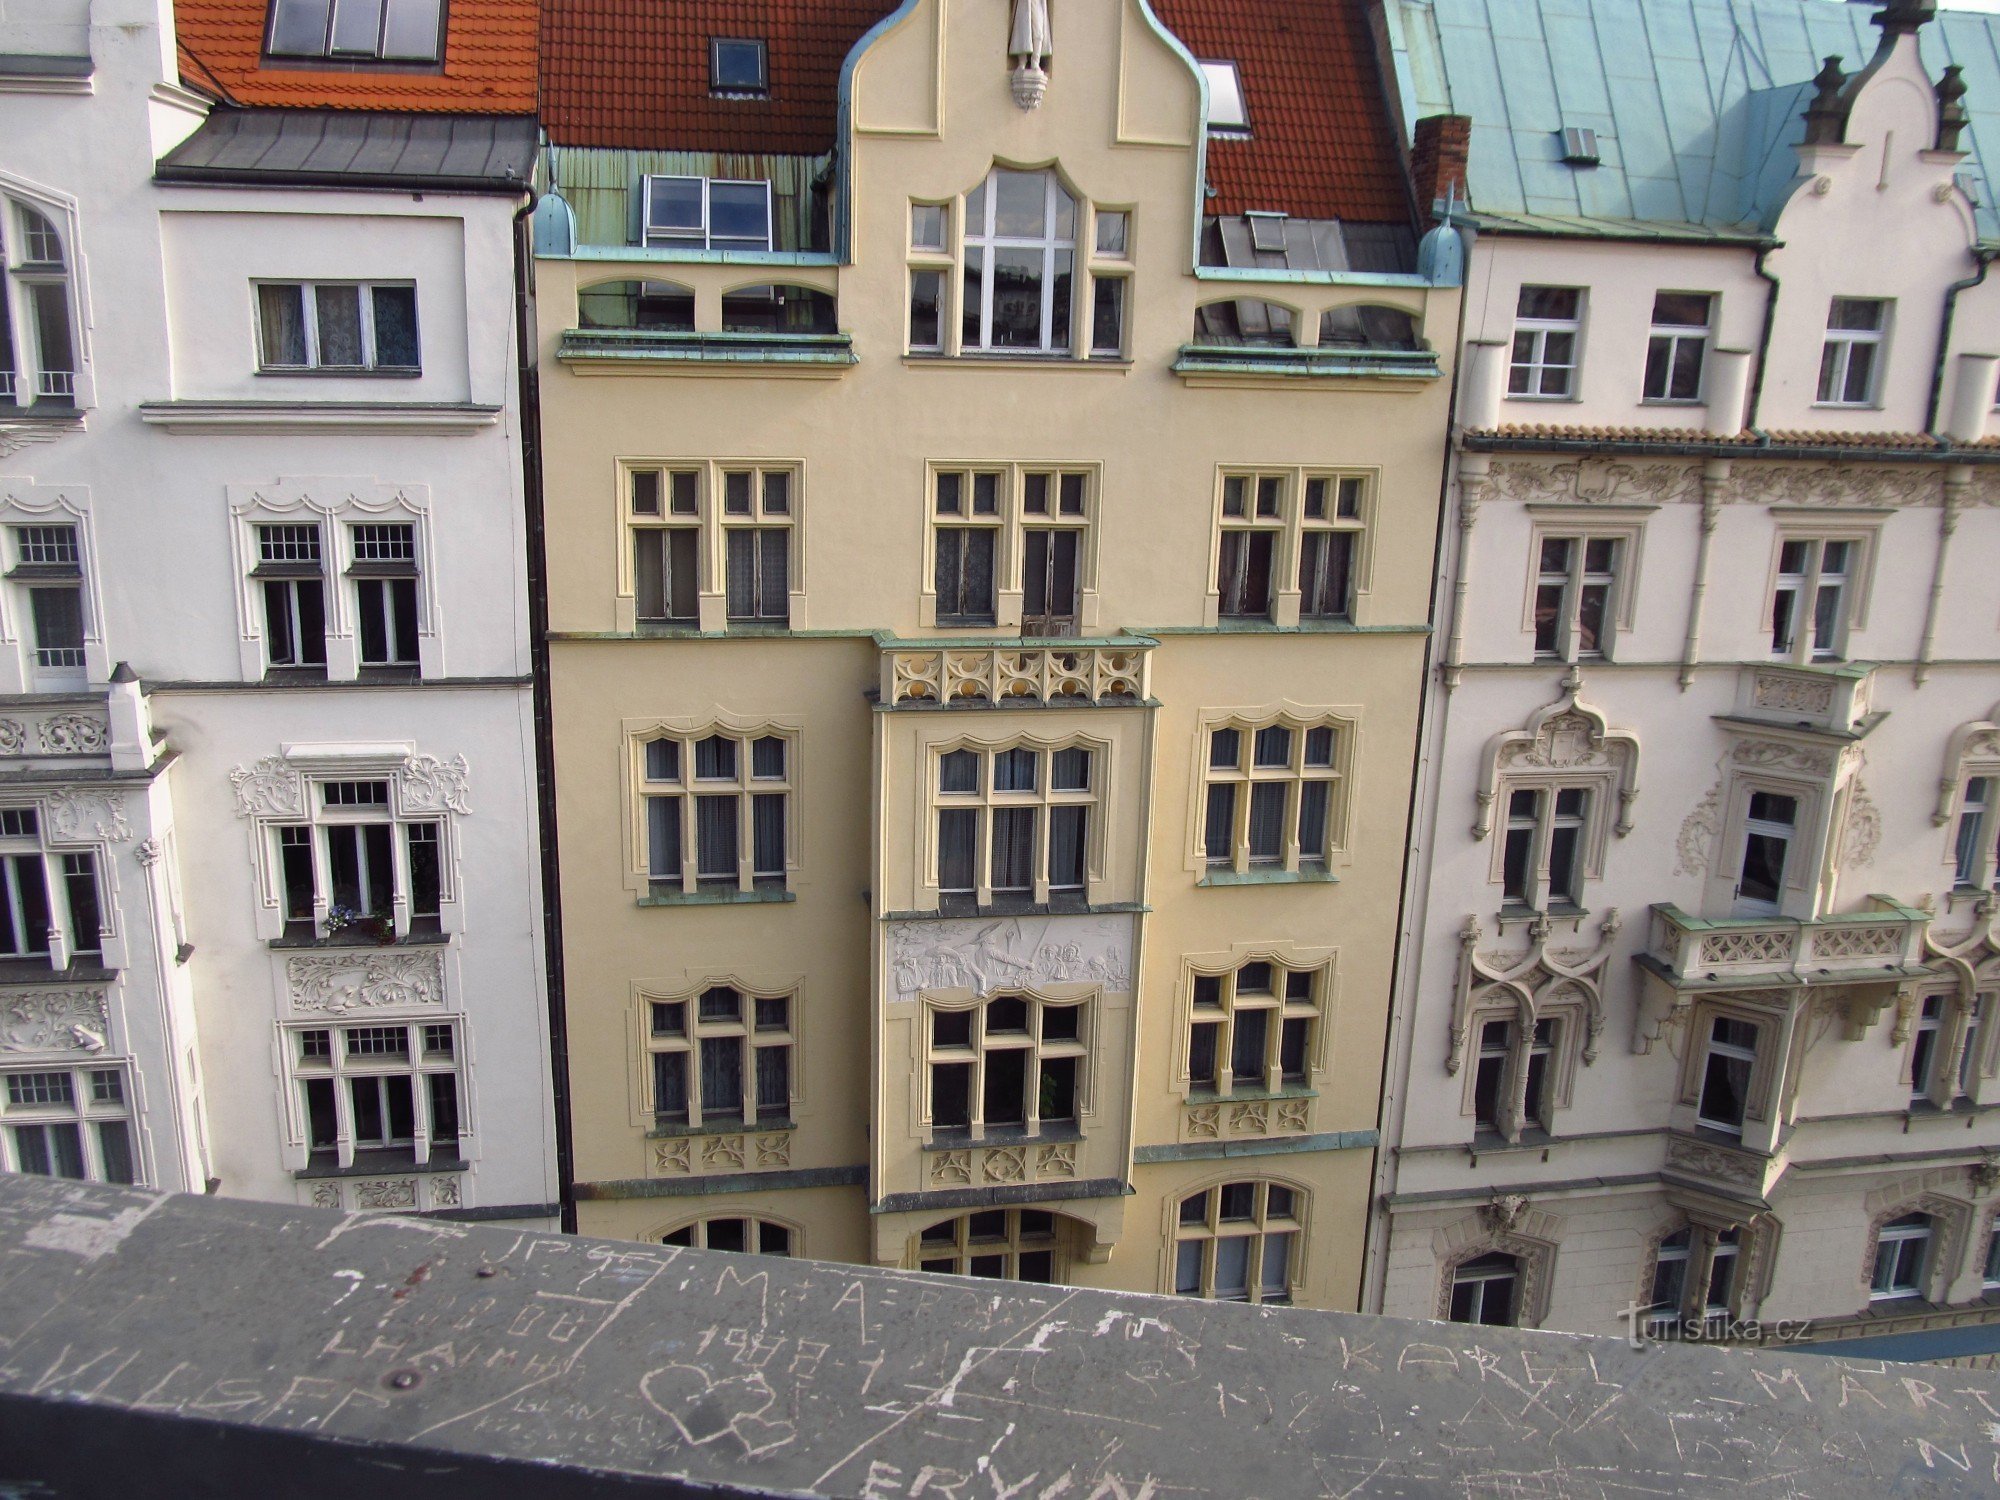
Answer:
(1004, 847)
(1702, 994)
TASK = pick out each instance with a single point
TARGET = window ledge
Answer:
(949, 910)
(599, 351)
(1252, 1096)
(717, 897)
(1253, 364)
(1303, 875)
(658, 1132)
(1006, 1135)
(458, 418)
(293, 676)
(15, 971)
(970, 360)
(414, 939)
(383, 1164)
(339, 372)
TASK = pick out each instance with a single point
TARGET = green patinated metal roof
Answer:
(1696, 104)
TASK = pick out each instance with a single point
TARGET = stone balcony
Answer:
(933, 674)
(1882, 945)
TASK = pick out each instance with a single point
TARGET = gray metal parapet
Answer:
(174, 1346)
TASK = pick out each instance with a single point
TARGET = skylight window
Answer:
(736, 65)
(1226, 114)
(383, 30)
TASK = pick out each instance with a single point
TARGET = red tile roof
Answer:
(1321, 145)
(633, 74)
(489, 62)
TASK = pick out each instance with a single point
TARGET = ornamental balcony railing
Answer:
(1884, 944)
(1107, 674)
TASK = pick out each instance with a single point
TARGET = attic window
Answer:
(1267, 231)
(1579, 146)
(736, 67)
(384, 30)
(1226, 113)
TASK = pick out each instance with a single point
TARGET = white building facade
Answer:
(289, 717)
(1700, 1005)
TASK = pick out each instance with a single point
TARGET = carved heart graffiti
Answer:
(703, 1409)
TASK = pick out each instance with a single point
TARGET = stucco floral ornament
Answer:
(1506, 1210)
(1029, 44)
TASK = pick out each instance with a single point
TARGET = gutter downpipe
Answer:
(1763, 338)
(1413, 901)
(1985, 258)
(526, 352)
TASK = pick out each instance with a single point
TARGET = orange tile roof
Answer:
(1321, 143)
(489, 63)
(633, 74)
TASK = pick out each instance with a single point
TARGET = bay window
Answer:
(1009, 1067)
(1014, 823)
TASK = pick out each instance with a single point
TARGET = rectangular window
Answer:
(1857, 330)
(1576, 596)
(1019, 264)
(724, 1059)
(48, 567)
(701, 213)
(1329, 542)
(1262, 1018)
(1727, 1067)
(1812, 598)
(384, 571)
(24, 888)
(388, 1089)
(67, 1122)
(1924, 1045)
(356, 865)
(1009, 1067)
(338, 326)
(1273, 796)
(1542, 860)
(1902, 1258)
(1548, 326)
(967, 511)
(927, 312)
(1976, 847)
(1767, 842)
(1055, 516)
(389, 30)
(1028, 809)
(1252, 524)
(289, 575)
(736, 67)
(716, 809)
(1678, 348)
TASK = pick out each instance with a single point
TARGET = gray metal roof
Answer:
(352, 148)
(1696, 103)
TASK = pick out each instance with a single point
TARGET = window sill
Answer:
(388, 676)
(328, 372)
(1019, 360)
(1252, 1096)
(293, 676)
(1681, 401)
(37, 971)
(957, 1139)
(1491, 1142)
(1260, 363)
(718, 896)
(48, 409)
(416, 938)
(378, 1164)
(1059, 904)
(1303, 875)
(658, 1132)
(947, 912)
(1847, 406)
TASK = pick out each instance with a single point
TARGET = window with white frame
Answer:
(1976, 838)
(1515, 1079)
(1850, 365)
(741, 1233)
(1006, 1067)
(1770, 830)
(716, 810)
(930, 276)
(67, 1122)
(725, 528)
(1677, 350)
(384, 574)
(1728, 1072)
(1110, 281)
(290, 575)
(1019, 263)
(706, 213)
(1273, 796)
(720, 1059)
(1681, 1300)
(1487, 1290)
(387, 1092)
(1813, 597)
(1902, 1258)
(51, 906)
(47, 575)
(1947, 1046)
(1014, 822)
(354, 865)
(342, 327)
(1544, 854)
(382, 30)
(37, 335)
(1576, 605)
(1240, 1242)
(1227, 113)
(995, 1244)
(1254, 1029)
(1548, 330)
(1266, 519)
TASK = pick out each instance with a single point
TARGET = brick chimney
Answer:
(1437, 161)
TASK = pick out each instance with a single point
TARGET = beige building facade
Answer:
(985, 690)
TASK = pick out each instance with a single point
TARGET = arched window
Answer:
(732, 1232)
(1000, 1244)
(1487, 1290)
(1263, 324)
(1238, 1242)
(779, 309)
(37, 349)
(1368, 328)
(653, 306)
(1020, 253)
